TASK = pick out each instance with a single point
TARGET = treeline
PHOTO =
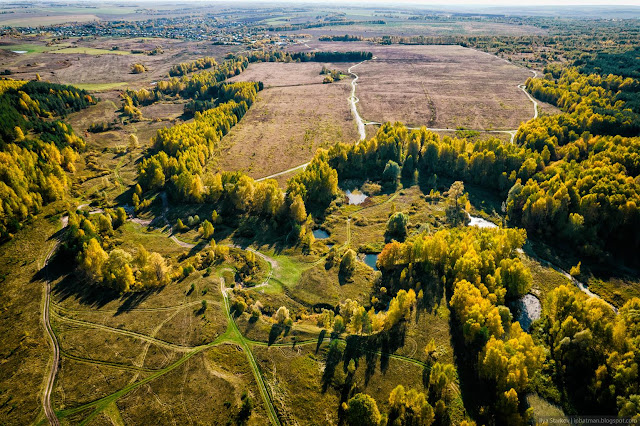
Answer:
(295, 27)
(406, 406)
(345, 37)
(179, 166)
(356, 56)
(590, 197)
(36, 150)
(423, 154)
(28, 105)
(353, 318)
(282, 56)
(203, 88)
(184, 68)
(596, 103)
(563, 184)
(89, 241)
(204, 85)
(242, 91)
(183, 150)
(595, 353)
(199, 86)
(624, 63)
(576, 41)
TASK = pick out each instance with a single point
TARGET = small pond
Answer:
(320, 234)
(480, 222)
(356, 197)
(371, 259)
(529, 310)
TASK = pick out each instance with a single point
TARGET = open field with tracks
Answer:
(99, 64)
(294, 115)
(438, 87)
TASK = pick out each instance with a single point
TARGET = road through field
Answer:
(354, 100)
(354, 110)
(271, 411)
(361, 123)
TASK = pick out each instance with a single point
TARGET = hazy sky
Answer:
(501, 3)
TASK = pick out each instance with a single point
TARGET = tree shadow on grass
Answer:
(275, 332)
(334, 356)
(380, 345)
(321, 336)
(475, 394)
(257, 231)
(61, 270)
(345, 278)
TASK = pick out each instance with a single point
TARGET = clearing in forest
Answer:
(293, 116)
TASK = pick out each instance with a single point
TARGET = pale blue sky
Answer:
(489, 3)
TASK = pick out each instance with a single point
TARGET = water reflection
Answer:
(371, 259)
(480, 222)
(320, 234)
(356, 197)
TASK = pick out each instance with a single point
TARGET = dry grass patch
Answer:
(192, 327)
(78, 383)
(286, 125)
(163, 111)
(191, 393)
(443, 87)
(277, 74)
(321, 286)
(108, 346)
(402, 27)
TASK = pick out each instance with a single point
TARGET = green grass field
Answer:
(91, 51)
(32, 48)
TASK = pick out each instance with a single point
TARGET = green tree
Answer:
(391, 174)
(207, 230)
(348, 263)
(338, 324)
(94, 259)
(514, 276)
(133, 142)
(297, 209)
(121, 217)
(117, 271)
(138, 68)
(362, 410)
(397, 225)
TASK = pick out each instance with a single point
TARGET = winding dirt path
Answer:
(46, 321)
(353, 99)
